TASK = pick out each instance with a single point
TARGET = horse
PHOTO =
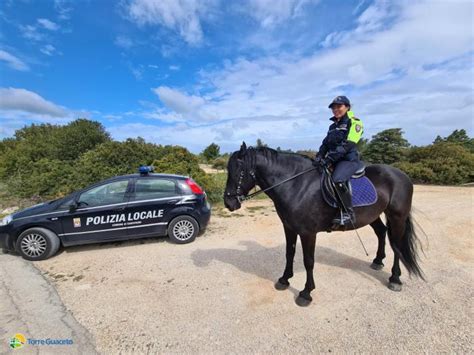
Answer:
(300, 206)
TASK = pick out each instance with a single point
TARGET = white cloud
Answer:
(273, 12)
(48, 24)
(63, 9)
(180, 103)
(182, 16)
(174, 67)
(13, 62)
(137, 71)
(124, 42)
(31, 32)
(48, 49)
(374, 19)
(12, 99)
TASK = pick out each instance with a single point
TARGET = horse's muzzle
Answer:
(232, 203)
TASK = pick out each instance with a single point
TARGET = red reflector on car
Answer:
(195, 188)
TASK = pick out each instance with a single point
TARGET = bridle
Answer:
(238, 191)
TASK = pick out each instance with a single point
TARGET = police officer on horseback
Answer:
(339, 149)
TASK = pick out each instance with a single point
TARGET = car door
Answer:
(100, 215)
(150, 202)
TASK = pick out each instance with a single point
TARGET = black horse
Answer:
(302, 210)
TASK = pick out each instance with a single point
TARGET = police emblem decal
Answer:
(76, 222)
(358, 128)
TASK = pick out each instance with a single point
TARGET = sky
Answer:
(191, 72)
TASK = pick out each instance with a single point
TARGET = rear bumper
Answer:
(204, 221)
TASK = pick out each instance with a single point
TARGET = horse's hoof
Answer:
(395, 287)
(376, 266)
(280, 286)
(303, 302)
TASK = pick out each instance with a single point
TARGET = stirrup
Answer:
(344, 219)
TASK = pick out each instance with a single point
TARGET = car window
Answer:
(147, 189)
(106, 194)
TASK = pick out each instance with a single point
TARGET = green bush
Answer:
(441, 163)
(179, 160)
(114, 158)
(214, 185)
(418, 173)
(220, 163)
(44, 178)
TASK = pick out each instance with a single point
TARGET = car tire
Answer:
(37, 244)
(183, 229)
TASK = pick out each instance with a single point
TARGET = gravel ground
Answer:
(217, 294)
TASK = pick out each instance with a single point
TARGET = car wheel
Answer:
(183, 229)
(37, 244)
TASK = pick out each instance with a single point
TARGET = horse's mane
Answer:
(273, 154)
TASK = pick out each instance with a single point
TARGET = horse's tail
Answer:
(407, 250)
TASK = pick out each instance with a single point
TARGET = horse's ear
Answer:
(243, 150)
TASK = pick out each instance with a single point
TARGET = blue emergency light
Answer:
(145, 169)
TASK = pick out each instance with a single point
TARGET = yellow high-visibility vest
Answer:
(357, 128)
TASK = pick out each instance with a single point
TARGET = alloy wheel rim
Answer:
(33, 245)
(183, 230)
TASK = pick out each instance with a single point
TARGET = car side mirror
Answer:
(73, 207)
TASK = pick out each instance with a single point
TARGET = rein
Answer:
(252, 173)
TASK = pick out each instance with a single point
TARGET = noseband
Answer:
(238, 190)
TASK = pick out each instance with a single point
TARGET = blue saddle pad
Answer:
(363, 192)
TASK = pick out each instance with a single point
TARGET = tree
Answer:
(260, 143)
(211, 152)
(362, 147)
(458, 137)
(77, 137)
(308, 152)
(387, 147)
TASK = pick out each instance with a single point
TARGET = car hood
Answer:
(40, 208)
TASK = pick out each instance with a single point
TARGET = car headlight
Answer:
(5, 220)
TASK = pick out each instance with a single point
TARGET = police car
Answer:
(120, 208)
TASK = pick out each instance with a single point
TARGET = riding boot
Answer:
(345, 202)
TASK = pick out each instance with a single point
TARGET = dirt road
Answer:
(217, 293)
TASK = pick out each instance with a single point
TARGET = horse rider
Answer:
(339, 149)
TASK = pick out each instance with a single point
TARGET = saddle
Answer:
(362, 189)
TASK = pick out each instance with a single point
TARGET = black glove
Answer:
(320, 161)
(317, 161)
(325, 162)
